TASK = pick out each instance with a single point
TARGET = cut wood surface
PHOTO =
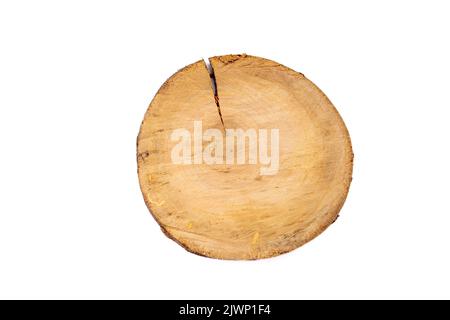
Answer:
(232, 211)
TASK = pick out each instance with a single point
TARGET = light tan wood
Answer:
(232, 211)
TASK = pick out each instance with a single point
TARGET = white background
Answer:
(76, 78)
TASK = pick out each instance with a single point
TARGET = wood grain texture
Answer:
(231, 211)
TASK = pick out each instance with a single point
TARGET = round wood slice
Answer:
(231, 211)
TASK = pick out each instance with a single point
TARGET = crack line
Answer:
(212, 76)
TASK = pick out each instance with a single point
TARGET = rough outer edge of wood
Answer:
(227, 59)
